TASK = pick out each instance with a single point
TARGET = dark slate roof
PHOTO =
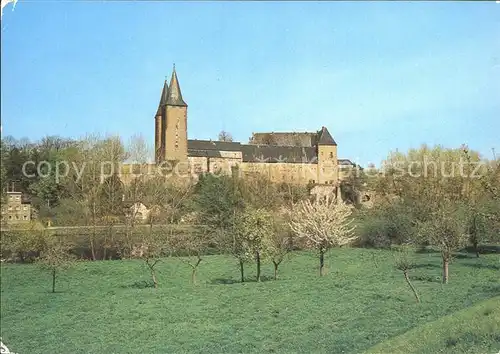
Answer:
(304, 139)
(163, 98)
(204, 153)
(346, 162)
(273, 154)
(213, 145)
(174, 92)
(325, 138)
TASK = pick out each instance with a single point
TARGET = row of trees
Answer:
(244, 218)
(446, 198)
(429, 196)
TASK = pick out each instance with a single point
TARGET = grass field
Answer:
(362, 304)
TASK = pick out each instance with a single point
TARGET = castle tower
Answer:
(160, 124)
(327, 158)
(175, 124)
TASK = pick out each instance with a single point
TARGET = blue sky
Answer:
(381, 76)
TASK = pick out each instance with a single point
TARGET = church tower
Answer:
(160, 124)
(171, 124)
(327, 158)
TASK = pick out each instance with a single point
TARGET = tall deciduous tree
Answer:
(98, 159)
(254, 227)
(217, 201)
(447, 230)
(323, 225)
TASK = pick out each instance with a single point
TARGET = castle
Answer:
(303, 158)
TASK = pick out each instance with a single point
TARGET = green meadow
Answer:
(361, 305)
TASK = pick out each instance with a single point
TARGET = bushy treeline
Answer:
(446, 198)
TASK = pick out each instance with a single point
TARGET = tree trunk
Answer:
(476, 247)
(53, 280)
(242, 271)
(195, 268)
(474, 232)
(257, 256)
(276, 264)
(153, 276)
(92, 238)
(411, 286)
(193, 275)
(92, 248)
(105, 247)
(321, 261)
(445, 269)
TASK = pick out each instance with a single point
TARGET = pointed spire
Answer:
(325, 137)
(174, 92)
(163, 98)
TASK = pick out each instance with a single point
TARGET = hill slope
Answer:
(472, 330)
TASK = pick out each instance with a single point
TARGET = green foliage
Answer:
(23, 242)
(217, 200)
(352, 186)
(254, 227)
(386, 225)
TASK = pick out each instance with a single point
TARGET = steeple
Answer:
(174, 92)
(163, 98)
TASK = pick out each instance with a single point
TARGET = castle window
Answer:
(331, 155)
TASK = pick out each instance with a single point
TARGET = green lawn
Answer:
(473, 330)
(361, 302)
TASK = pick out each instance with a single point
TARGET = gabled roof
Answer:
(301, 139)
(325, 138)
(274, 154)
(213, 145)
(174, 92)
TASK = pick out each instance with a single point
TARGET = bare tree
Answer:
(280, 242)
(225, 136)
(404, 263)
(323, 225)
(446, 229)
(151, 250)
(98, 159)
(190, 247)
(135, 192)
(55, 257)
